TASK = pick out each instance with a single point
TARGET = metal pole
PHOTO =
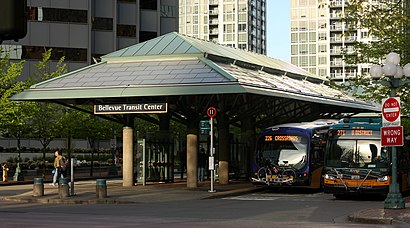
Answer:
(211, 156)
(72, 177)
(394, 198)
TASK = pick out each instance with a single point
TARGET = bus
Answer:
(356, 163)
(291, 154)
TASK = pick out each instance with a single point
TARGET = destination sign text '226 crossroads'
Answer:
(131, 108)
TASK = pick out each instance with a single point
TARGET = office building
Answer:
(320, 39)
(235, 23)
(84, 30)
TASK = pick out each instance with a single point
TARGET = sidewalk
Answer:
(383, 216)
(85, 193)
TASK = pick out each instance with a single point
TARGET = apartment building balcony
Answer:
(335, 51)
(213, 2)
(351, 39)
(338, 3)
(336, 15)
(213, 32)
(213, 22)
(336, 63)
(336, 39)
(340, 75)
(340, 39)
(213, 12)
(337, 27)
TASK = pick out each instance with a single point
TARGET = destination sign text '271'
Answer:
(131, 108)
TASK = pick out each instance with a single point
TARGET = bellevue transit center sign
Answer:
(130, 108)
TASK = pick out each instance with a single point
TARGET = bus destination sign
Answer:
(130, 108)
(270, 138)
(357, 132)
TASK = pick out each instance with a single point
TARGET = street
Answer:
(264, 209)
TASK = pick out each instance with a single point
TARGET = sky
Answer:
(278, 29)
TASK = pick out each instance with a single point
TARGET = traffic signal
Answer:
(13, 20)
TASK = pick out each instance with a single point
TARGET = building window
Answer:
(303, 49)
(322, 72)
(242, 28)
(312, 60)
(322, 60)
(126, 30)
(59, 15)
(229, 28)
(294, 49)
(303, 37)
(70, 54)
(312, 48)
(242, 37)
(322, 48)
(144, 36)
(242, 17)
(148, 4)
(100, 23)
(294, 61)
(242, 46)
(312, 36)
(322, 36)
(228, 17)
(168, 11)
(228, 37)
(303, 61)
(294, 38)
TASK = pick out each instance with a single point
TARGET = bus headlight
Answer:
(383, 179)
(327, 176)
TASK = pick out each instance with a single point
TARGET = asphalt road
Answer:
(266, 209)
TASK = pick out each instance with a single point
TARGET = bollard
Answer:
(63, 188)
(101, 188)
(38, 187)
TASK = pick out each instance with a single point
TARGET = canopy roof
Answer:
(178, 65)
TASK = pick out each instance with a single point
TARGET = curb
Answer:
(368, 220)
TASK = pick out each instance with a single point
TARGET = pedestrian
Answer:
(60, 166)
(5, 171)
(201, 164)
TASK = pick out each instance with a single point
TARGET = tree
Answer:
(13, 114)
(46, 119)
(388, 21)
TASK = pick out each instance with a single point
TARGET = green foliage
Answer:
(13, 115)
(46, 117)
(388, 22)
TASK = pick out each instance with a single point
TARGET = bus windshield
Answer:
(356, 153)
(284, 150)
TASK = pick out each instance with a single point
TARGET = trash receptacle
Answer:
(101, 188)
(38, 187)
(63, 188)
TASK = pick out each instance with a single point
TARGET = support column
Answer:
(127, 157)
(249, 136)
(192, 155)
(223, 137)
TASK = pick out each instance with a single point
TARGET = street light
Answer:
(394, 72)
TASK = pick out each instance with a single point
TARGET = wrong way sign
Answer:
(392, 136)
(391, 111)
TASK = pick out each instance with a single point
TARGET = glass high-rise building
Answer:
(320, 39)
(236, 23)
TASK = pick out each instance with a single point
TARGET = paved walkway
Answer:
(85, 193)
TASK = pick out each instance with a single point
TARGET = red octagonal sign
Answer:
(211, 112)
(391, 110)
